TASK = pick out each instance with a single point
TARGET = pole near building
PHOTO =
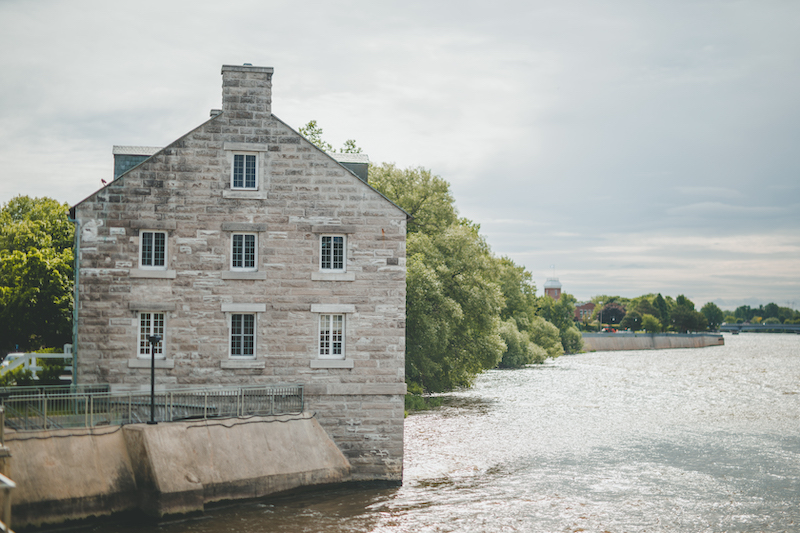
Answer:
(153, 340)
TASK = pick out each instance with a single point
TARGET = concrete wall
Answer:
(185, 190)
(606, 342)
(167, 468)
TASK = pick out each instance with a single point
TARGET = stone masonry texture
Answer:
(186, 191)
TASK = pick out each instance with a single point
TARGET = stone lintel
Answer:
(333, 308)
(243, 226)
(244, 308)
(332, 363)
(245, 147)
(153, 224)
(333, 228)
(152, 306)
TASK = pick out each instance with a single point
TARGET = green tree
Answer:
(423, 195)
(36, 269)
(546, 335)
(612, 313)
(645, 307)
(520, 351)
(713, 314)
(561, 314)
(452, 309)
(632, 321)
(651, 324)
(313, 133)
(519, 293)
(663, 310)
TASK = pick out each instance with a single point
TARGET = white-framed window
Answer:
(151, 324)
(153, 249)
(332, 253)
(331, 336)
(243, 335)
(244, 251)
(244, 175)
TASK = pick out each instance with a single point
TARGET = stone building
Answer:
(259, 259)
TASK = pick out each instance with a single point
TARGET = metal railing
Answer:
(27, 390)
(51, 410)
(6, 486)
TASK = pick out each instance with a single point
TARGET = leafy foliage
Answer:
(36, 269)
(313, 132)
(632, 321)
(423, 195)
(612, 313)
(651, 324)
(713, 315)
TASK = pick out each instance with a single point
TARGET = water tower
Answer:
(552, 288)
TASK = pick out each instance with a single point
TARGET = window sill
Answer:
(333, 276)
(331, 363)
(244, 195)
(234, 364)
(145, 363)
(232, 274)
(152, 274)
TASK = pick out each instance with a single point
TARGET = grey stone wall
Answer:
(185, 191)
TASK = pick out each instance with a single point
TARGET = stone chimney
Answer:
(247, 92)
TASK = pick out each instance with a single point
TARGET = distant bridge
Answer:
(736, 328)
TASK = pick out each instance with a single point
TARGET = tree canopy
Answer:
(36, 274)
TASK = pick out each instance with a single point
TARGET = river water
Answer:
(670, 440)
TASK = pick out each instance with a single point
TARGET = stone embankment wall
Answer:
(165, 469)
(607, 342)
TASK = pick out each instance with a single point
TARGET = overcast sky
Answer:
(628, 147)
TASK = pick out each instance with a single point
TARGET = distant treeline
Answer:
(655, 313)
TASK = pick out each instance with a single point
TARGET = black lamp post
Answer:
(153, 340)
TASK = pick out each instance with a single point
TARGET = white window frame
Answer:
(331, 340)
(244, 268)
(330, 253)
(244, 186)
(143, 345)
(152, 257)
(253, 335)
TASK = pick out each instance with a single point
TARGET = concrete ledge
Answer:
(606, 342)
(169, 468)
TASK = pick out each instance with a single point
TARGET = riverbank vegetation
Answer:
(36, 274)
(655, 313)
(467, 310)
